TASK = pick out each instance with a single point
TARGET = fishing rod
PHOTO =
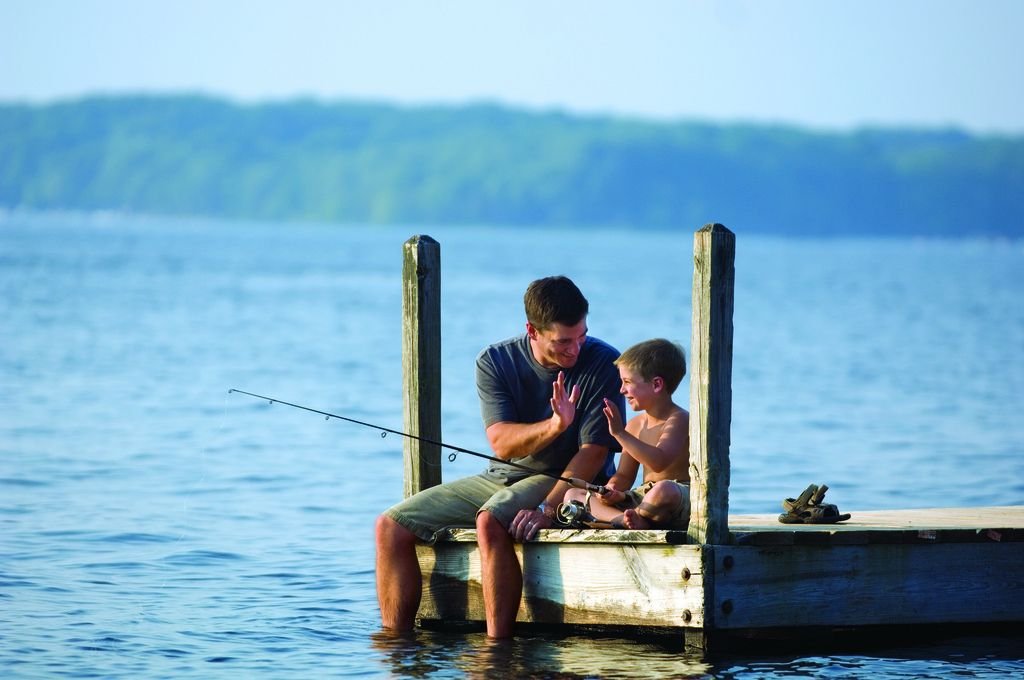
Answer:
(574, 482)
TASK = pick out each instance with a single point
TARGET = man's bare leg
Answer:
(399, 582)
(501, 575)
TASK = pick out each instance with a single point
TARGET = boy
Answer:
(658, 438)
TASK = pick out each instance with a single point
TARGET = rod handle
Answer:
(578, 483)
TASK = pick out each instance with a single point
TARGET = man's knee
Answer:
(392, 535)
(489, 529)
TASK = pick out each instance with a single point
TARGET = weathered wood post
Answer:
(421, 362)
(714, 276)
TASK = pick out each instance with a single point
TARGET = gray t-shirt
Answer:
(514, 387)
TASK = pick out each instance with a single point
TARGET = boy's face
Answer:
(639, 393)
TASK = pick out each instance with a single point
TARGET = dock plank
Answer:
(1005, 523)
(945, 525)
(855, 585)
(921, 518)
(576, 583)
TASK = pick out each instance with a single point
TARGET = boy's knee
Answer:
(664, 493)
(665, 504)
(574, 495)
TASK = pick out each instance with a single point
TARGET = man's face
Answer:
(558, 346)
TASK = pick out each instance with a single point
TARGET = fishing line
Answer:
(575, 482)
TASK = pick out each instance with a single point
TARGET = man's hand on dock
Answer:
(527, 523)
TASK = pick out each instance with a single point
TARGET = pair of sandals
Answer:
(808, 508)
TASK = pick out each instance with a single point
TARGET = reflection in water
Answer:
(436, 654)
(475, 655)
(406, 655)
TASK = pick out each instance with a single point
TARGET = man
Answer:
(542, 398)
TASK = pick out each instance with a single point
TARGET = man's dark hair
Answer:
(554, 299)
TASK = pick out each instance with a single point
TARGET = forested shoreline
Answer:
(370, 163)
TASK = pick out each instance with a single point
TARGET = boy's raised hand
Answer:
(611, 412)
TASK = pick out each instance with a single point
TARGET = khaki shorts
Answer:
(457, 503)
(680, 516)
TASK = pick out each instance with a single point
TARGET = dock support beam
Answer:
(714, 276)
(421, 362)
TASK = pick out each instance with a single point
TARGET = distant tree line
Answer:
(483, 164)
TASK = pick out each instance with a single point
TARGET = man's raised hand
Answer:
(563, 407)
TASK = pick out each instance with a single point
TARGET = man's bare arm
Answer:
(515, 440)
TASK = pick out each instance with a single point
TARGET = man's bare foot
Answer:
(634, 520)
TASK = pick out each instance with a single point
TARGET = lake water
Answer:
(152, 525)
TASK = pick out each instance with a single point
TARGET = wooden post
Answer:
(421, 361)
(714, 275)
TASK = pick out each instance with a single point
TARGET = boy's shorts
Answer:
(457, 503)
(680, 516)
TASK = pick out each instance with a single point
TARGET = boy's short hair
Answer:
(554, 299)
(656, 358)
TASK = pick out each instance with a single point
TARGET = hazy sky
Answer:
(811, 62)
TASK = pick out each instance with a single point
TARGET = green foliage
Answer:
(371, 163)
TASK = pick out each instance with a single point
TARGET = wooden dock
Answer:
(881, 568)
(728, 575)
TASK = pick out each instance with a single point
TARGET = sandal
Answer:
(809, 509)
(800, 502)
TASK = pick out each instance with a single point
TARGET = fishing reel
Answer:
(573, 514)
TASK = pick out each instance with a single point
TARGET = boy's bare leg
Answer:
(601, 511)
(632, 519)
(500, 574)
(399, 581)
(575, 495)
(657, 507)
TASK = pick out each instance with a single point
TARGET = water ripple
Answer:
(202, 557)
(23, 482)
(134, 537)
